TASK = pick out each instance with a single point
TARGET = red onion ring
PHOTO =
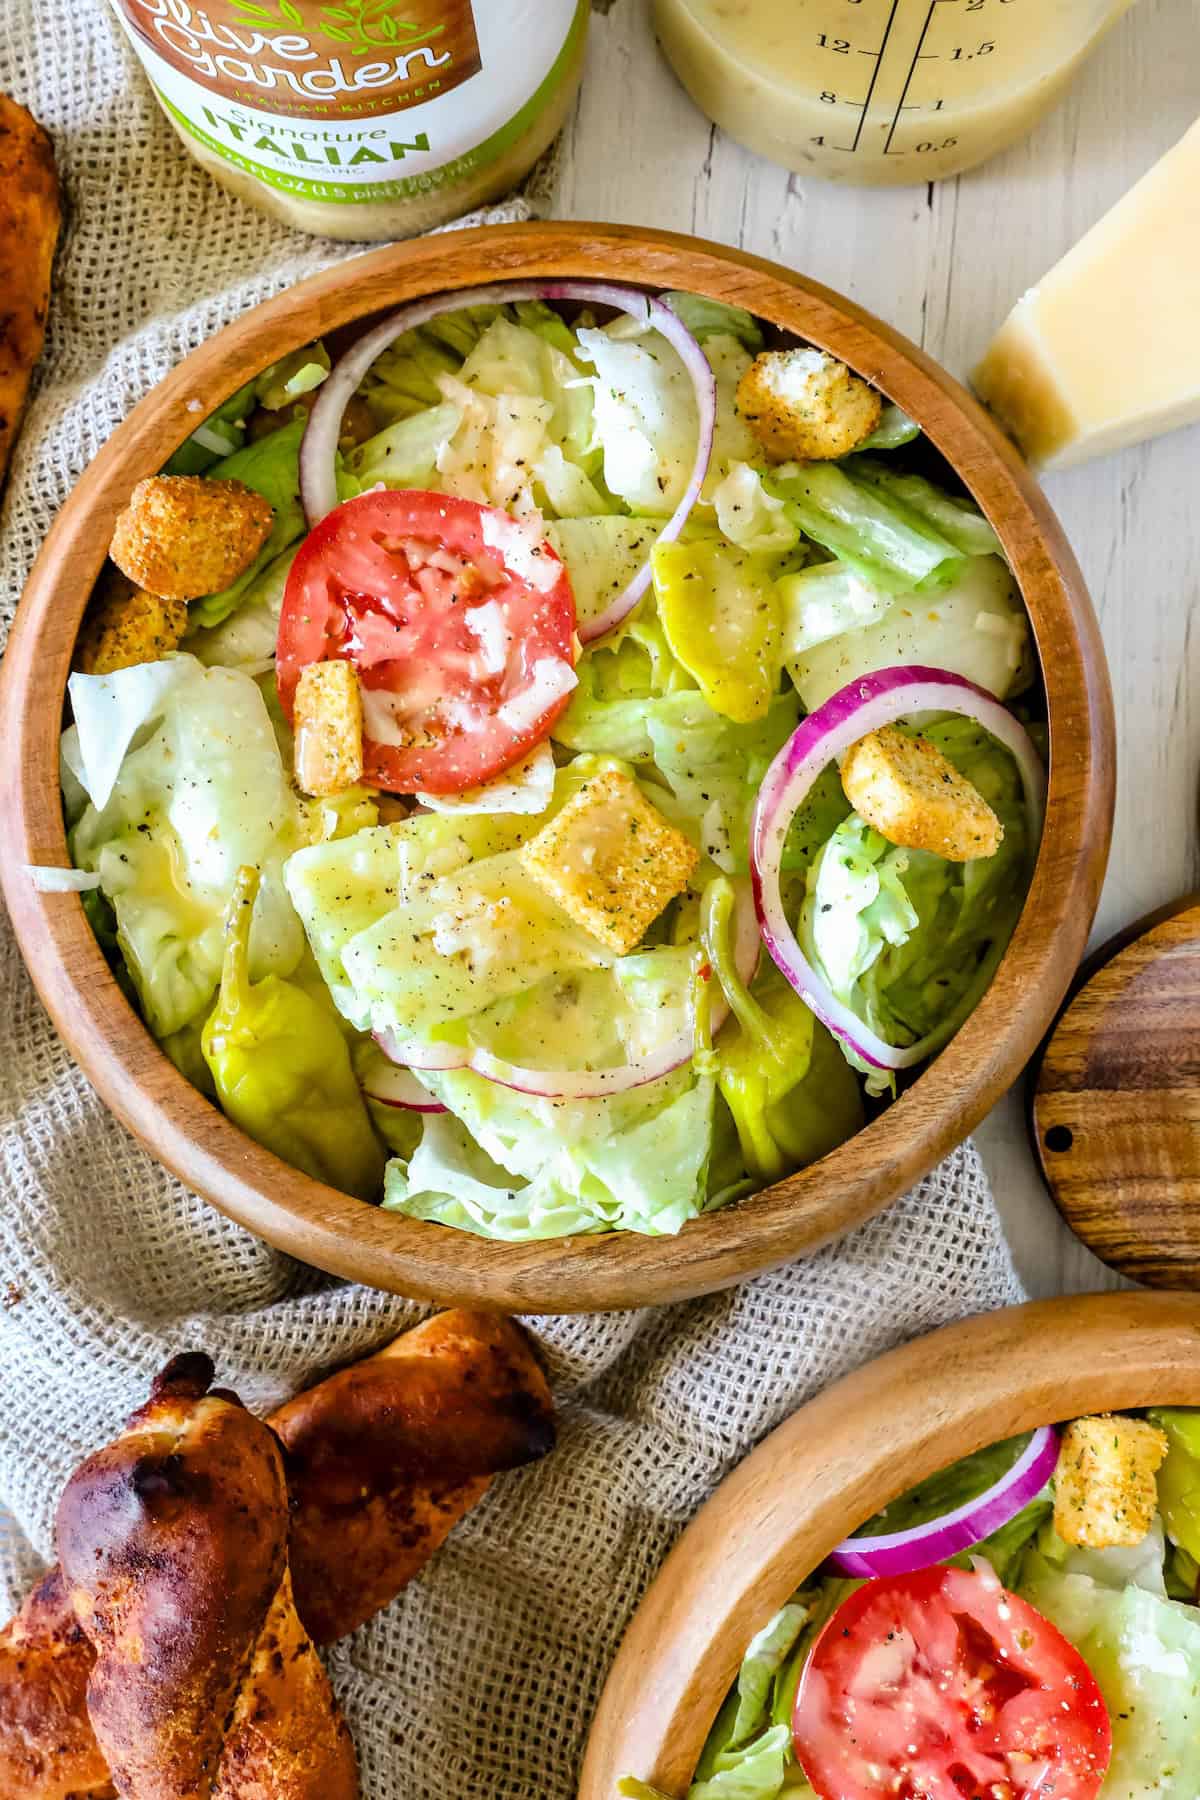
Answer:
(585, 1084)
(389, 1085)
(318, 448)
(900, 1552)
(862, 706)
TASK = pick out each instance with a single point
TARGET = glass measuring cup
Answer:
(886, 91)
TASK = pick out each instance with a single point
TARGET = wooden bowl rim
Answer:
(335, 1232)
(835, 1462)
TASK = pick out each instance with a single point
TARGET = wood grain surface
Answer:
(835, 1463)
(1116, 1107)
(339, 1234)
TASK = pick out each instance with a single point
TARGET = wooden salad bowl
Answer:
(837, 1461)
(340, 1234)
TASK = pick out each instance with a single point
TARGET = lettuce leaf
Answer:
(405, 453)
(271, 466)
(510, 1166)
(173, 828)
(905, 938)
(714, 767)
(602, 555)
(749, 515)
(959, 521)
(839, 625)
(1179, 1476)
(645, 418)
(753, 1772)
(862, 524)
(707, 318)
(355, 888)
(246, 639)
(1145, 1653)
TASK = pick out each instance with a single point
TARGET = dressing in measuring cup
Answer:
(886, 91)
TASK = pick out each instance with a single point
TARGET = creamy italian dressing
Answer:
(884, 91)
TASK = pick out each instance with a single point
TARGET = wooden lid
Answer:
(1116, 1107)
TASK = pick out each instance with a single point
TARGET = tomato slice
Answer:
(941, 1685)
(460, 621)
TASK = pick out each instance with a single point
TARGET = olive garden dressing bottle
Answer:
(364, 119)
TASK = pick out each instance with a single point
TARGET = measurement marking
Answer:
(912, 69)
(879, 56)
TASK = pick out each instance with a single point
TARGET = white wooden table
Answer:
(944, 264)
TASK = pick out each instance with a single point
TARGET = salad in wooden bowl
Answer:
(563, 758)
(1022, 1621)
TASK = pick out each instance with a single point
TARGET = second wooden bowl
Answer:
(342, 1235)
(834, 1464)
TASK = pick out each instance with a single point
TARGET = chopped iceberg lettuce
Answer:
(246, 639)
(404, 378)
(904, 938)
(960, 522)
(222, 432)
(975, 626)
(511, 1166)
(405, 453)
(526, 787)
(1137, 1565)
(714, 767)
(765, 1656)
(465, 941)
(602, 554)
(271, 466)
(894, 547)
(172, 828)
(645, 417)
(749, 515)
(1179, 1476)
(707, 318)
(825, 601)
(733, 441)
(894, 429)
(1145, 1653)
(511, 359)
(291, 377)
(753, 1771)
(357, 886)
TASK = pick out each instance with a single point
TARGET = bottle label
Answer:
(356, 100)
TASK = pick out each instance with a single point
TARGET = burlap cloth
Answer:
(481, 1679)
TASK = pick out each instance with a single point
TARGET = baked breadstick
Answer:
(483, 1401)
(48, 1750)
(386, 1457)
(173, 1545)
(30, 215)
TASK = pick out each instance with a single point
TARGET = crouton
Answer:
(182, 536)
(125, 625)
(610, 860)
(912, 795)
(1104, 1489)
(328, 721)
(805, 405)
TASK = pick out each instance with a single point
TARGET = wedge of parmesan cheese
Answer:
(1105, 350)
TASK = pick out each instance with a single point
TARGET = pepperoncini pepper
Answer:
(722, 619)
(282, 1070)
(791, 1092)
